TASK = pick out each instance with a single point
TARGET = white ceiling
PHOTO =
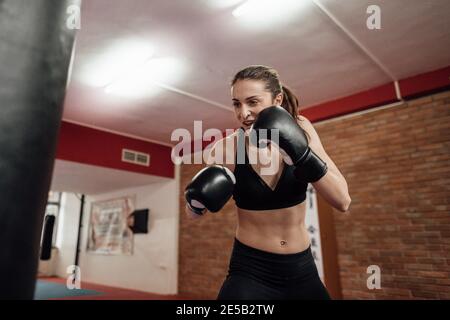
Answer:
(81, 178)
(312, 53)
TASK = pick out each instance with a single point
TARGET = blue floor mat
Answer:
(48, 290)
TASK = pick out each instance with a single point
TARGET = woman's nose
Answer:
(244, 112)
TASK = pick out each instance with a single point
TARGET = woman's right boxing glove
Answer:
(210, 189)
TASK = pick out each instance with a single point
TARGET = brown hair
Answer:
(273, 85)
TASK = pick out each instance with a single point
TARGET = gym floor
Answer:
(53, 288)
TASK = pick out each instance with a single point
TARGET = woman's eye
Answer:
(253, 102)
(236, 105)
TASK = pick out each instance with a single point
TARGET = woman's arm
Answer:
(333, 186)
(190, 214)
(217, 155)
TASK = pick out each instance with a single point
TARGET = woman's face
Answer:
(249, 98)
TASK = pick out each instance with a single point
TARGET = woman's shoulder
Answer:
(308, 127)
(304, 123)
(228, 142)
(223, 151)
(302, 118)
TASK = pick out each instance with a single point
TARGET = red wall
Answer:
(100, 148)
(412, 87)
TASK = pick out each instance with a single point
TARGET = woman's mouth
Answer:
(248, 123)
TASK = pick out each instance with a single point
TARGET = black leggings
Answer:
(262, 275)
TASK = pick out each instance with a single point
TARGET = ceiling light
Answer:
(116, 61)
(146, 79)
(266, 12)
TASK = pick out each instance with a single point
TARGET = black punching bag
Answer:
(47, 237)
(36, 42)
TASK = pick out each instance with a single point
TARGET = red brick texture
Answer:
(396, 163)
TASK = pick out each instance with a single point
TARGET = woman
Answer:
(271, 256)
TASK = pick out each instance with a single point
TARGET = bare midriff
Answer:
(277, 231)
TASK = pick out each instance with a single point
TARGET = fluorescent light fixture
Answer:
(267, 12)
(117, 60)
(146, 79)
(128, 69)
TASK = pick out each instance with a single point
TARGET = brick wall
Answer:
(396, 162)
(204, 246)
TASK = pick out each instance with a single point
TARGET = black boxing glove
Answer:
(210, 189)
(292, 142)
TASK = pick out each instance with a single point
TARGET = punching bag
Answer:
(35, 53)
(47, 237)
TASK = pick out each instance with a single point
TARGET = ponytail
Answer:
(290, 103)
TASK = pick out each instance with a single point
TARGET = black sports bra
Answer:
(251, 192)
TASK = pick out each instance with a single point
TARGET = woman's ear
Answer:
(279, 99)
